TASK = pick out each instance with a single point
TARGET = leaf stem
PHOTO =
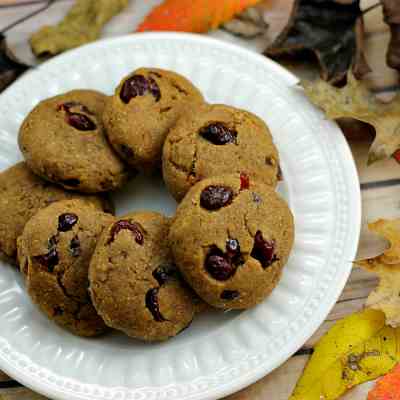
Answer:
(367, 10)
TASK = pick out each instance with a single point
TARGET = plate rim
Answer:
(31, 381)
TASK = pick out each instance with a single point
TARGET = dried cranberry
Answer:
(216, 197)
(153, 306)
(71, 182)
(57, 311)
(81, 122)
(66, 222)
(138, 85)
(73, 104)
(131, 226)
(244, 181)
(75, 247)
(256, 198)
(280, 173)
(229, 295)
(218, 265)
(127, 151)
(164, 273)
(50, 260)
(154, 89)
(233, 252)
(264, 250)
(218, 133)
(232, 247)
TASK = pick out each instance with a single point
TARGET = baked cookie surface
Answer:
(22, 195)
(145, 106)
(134, 284)
(63, 140)
(217, 140)
(231, 237)
(54, 252)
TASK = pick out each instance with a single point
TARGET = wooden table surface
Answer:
(380, 183)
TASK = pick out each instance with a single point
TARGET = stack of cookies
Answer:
(144, 274)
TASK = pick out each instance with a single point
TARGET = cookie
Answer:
(217, 140)
(134, 284)
(231, 238)
(63, 141)
(22, 195)
(145, 106)
(54, 252)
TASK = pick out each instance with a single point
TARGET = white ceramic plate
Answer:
(221, 352)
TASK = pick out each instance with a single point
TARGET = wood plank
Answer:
(20, 394)
(381, 203)
(379, 171)
(4, 377)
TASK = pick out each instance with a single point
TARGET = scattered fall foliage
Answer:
(81, 25)
(193, 15)
(356, 349)
(388, 387)
(391, 9)
(356, 101)
(387, 266)
(332, 30)
(10, 67)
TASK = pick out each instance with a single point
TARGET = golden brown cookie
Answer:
(217, 140)
(22, 194)
(134, 284)
(63, 141)
(231, 238)
(145, 106)
(54, 252)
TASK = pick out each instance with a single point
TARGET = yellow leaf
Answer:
(355, 101)
(357, 349)
(387, 266)
(390, 230)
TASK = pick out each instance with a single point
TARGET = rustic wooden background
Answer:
(380, 183)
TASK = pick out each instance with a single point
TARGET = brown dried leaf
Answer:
(249, 24)
(10, 67)
(82, 24)
(387, 266)
(333, 31)
(269, 18)
(355, 101)
(391, 10)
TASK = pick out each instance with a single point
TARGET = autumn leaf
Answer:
(356, 101)
(356, 349)
(193, 15)
(10, 67)
(387, 266)
(81, 25)
(268, 18)
(391, 10)
(333, 31)
(388, 387)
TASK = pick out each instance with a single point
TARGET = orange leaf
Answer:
(193, 15)
(388, 387)
(397, 156)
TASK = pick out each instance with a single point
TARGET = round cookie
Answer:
(145, 106)
(54, 252)
(134, 284)
(231, 238)
(217, 140)
(63, 141)
(22, 194)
